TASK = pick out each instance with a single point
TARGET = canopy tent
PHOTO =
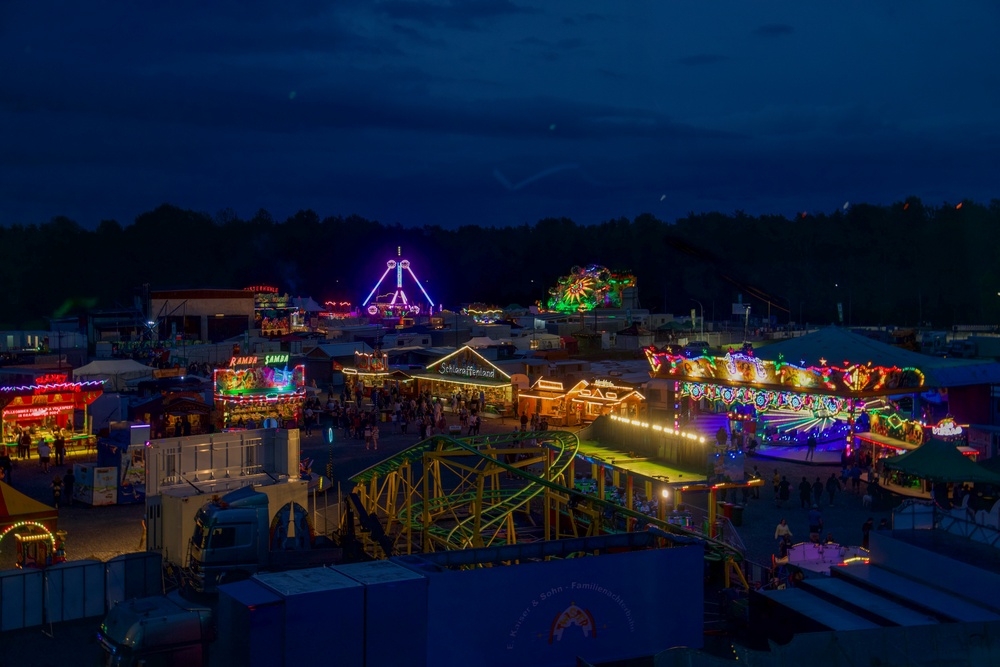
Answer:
(307, 304)
(15, 507)
(116, 373)
(940, 461)
(992, 464)
(481, 341)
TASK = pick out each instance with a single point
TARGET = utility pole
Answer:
(702, 317)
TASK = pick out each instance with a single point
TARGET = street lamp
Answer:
(702, 317)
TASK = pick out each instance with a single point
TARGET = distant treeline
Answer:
(901, 264)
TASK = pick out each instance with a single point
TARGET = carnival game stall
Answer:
(28, 534)
(605, 397)
(549, 399)
(372, 371)
(254, 389)
(49, 408)
(467, 373)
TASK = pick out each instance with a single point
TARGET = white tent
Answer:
(307, 304)
(481, 341)
(115, 372)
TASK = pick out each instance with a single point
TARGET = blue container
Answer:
(392, 592)
(251, 625)
(320, 603)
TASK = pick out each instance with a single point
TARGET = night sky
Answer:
(493, 112)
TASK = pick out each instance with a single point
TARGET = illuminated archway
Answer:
(22, 524)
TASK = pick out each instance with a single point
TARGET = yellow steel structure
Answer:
(457, 493)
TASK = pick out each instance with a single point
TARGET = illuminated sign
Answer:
(261, 289)
(467, 363)
(264, 381)
(947, 428)
(242, 361)
(371, 363)
(468, 370)
(276, 358)
(51, 378)
(743, 367)
(733, 358)
(37, 411)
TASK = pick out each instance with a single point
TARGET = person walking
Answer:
(805, 491)
(776, 483)
(811, 447)
(44, 454)
(59, 448)
(57, 489)
(815, 524)
(817, 492)
(784, 491)
(69, 480)
(866, 529)
(375, 437)
(782, 530)
(6, 465)
(755, 494)
(368, 436)
(24, 445)
(832, 487)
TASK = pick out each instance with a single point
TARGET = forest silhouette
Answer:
(903, 264)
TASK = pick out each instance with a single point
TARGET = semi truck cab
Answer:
(161, 631)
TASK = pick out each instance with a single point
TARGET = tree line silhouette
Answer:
(902, 264)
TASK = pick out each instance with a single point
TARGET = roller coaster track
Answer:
(463, 499)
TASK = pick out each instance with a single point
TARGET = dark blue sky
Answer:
(493, 112)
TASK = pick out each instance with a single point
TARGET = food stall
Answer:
(253, 389)
(49, 407)
(470, 375)
(583, 402)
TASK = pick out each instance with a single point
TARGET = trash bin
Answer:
(727, 510)
(737, 517)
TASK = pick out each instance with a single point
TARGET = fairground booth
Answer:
(581, 403)
(49, 406)
(254, 389)
(470, 375)
(847, 391)
(371, 371)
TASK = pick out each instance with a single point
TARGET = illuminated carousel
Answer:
(789, 393)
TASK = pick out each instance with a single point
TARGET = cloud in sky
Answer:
(406, 111)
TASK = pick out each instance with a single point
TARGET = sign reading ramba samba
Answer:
(467, 364)
(263, 381)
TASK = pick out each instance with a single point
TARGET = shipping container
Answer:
(395, 613)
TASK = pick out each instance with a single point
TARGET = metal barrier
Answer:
(75, 589)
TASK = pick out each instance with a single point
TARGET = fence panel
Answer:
(74, 590)
(136, 575)
(21, 600)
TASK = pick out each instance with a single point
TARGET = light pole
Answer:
(702, 317)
